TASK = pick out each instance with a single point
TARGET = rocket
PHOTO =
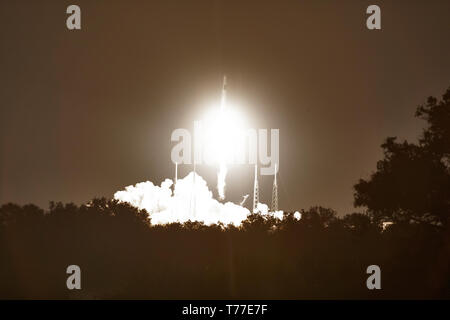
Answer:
(223, 101)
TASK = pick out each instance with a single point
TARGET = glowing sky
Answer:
(86, 113)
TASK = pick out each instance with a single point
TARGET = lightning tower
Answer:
(255, 190)
(275, 191)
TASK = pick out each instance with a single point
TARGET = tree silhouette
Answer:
(412, 182)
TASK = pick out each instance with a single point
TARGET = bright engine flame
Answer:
(222, 140)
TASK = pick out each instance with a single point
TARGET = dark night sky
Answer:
(85, 113)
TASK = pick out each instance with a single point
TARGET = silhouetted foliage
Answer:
(122, 256)
(412, 182)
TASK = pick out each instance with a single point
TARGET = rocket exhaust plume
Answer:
(222, 174)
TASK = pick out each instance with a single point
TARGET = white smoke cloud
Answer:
(191, 200)
(263, 209)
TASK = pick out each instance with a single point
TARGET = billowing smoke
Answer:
(263, 209)
(191, 200)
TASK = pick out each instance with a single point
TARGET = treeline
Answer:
(122, 256)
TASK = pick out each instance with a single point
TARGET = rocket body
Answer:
(223, 100)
